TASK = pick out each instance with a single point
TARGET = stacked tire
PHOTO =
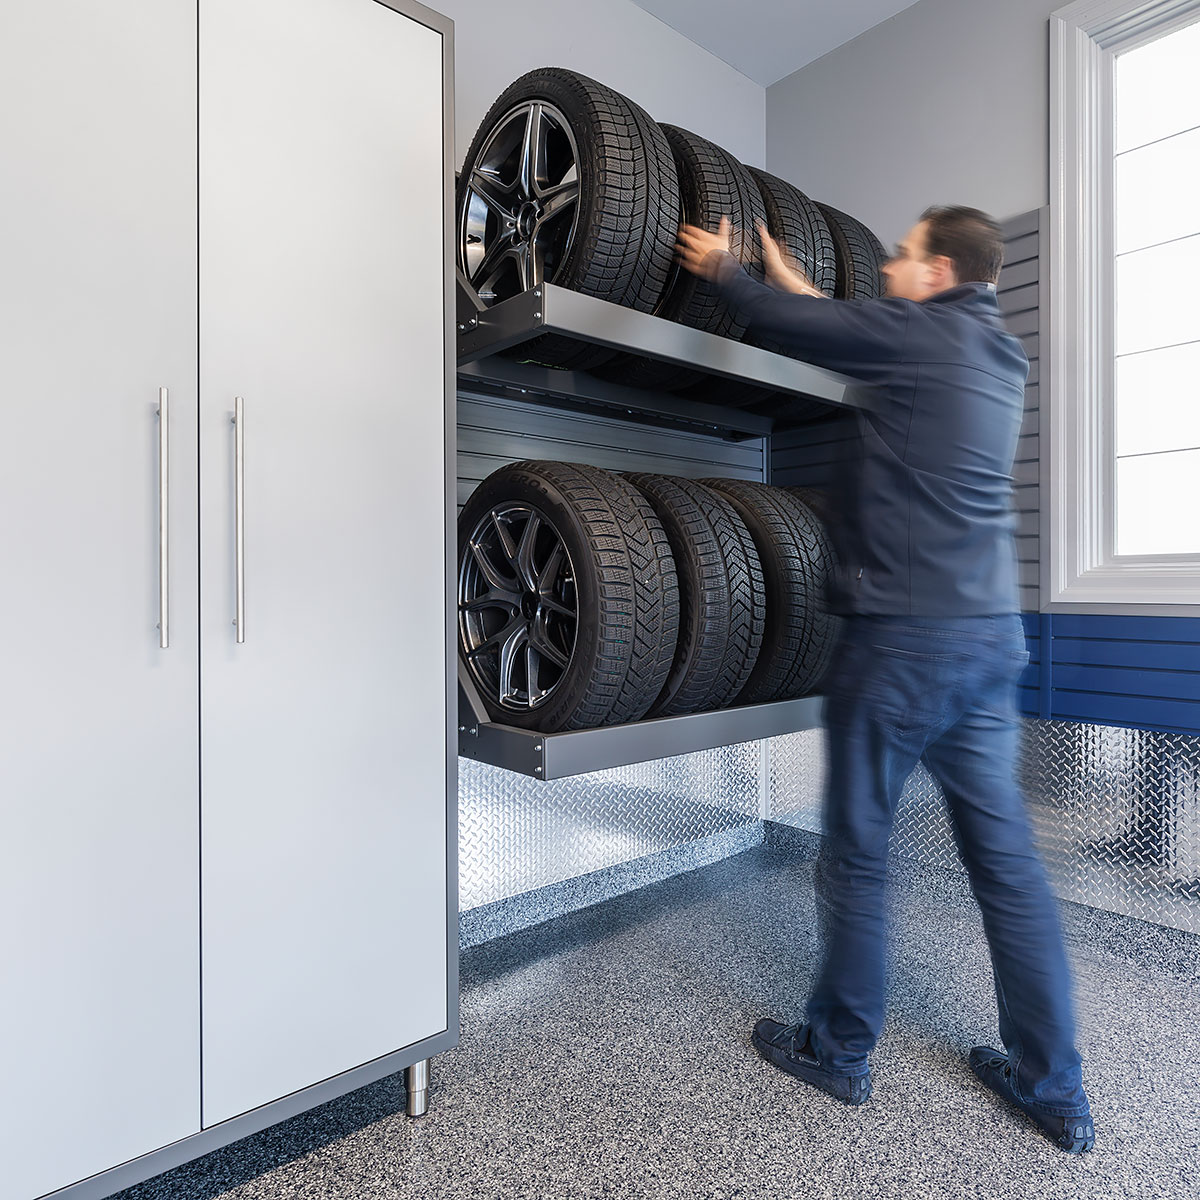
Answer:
(569, 182)
(587, 598)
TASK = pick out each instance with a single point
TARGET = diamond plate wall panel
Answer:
(1116, 813)
(517, 834)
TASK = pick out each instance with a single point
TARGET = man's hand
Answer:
(783, 274)
(695, 248)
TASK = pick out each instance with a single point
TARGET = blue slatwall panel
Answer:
(1141, 672)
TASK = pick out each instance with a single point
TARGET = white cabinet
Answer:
(321, 305)
(222, 861)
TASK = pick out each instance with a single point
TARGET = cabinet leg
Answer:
(416, 1079)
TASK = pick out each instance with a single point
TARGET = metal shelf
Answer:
(484, 332)
(558, 755)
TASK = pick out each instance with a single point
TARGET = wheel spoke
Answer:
(546, 576)
(506, 540)
(495, 598)
(499, 638)
(508, 654)
(532, 661)
(533, 154)
(560, 198)
(539, 639)
(495, 577)
(555, 605)
(493, 259)
(526, 571)
(537, 264)
(532, 261)
(492, 193)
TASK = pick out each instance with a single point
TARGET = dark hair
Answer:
(970, 239)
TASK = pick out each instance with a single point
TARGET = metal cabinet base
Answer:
(410, 1060)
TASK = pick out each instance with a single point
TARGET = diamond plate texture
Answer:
(516, 833)
(1116, 813)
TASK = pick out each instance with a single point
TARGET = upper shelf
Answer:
(483, 332)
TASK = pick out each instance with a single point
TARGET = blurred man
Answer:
(931, 650)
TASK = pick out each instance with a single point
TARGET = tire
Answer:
(712, 184)
(860, 256)
(722, 597)
(818, 500)
(605, 616)
(797, 558)
(794, 219)
(615, 241)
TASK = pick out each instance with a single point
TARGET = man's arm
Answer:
(831, 333)
(839, 334)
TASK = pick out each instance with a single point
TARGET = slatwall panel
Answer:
(494, 431)
(1020, 293)
(1134, 672)
(813, 455)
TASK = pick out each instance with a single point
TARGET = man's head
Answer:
(946, 247)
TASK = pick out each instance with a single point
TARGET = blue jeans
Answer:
(942, 690)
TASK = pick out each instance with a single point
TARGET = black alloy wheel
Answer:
(567, 182)
(568, 598)
(520, 209)
(518, 611)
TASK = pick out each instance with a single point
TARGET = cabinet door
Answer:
(99, 855)
(323, 732)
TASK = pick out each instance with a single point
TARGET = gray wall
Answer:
(945, 103)
(617, 43)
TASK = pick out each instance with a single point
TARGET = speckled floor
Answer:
(607, 1054)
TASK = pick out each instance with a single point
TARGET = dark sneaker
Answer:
(788, 1047)
(1075, 1135)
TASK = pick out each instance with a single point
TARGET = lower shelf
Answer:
(557, 755)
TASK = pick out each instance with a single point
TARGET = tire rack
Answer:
(482, 333)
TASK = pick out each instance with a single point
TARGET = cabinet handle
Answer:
(164, 519)
(239, 482)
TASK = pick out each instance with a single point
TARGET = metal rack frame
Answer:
(558, 755)
(483, 333)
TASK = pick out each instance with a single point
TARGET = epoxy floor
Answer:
(607, 1054)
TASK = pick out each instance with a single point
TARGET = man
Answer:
(931, 650)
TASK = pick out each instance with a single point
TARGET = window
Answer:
(1124, 465)
(1156, 218)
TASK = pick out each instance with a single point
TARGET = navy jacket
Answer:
(928, 526)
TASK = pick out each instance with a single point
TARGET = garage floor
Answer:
(606, 1054)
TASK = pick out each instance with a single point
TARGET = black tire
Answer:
(616, 574)
(860, 256)
(796, 221)
(621, 247)
(712, 184)
(818, 500)
(797, 558)
(722, 597)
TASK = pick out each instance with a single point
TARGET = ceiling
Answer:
(768, 39)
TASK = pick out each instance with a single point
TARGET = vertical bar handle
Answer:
(164, 519)
(239, 511)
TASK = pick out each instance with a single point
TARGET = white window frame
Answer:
(1079, 472)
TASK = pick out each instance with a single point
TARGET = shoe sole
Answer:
(810, 1075)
